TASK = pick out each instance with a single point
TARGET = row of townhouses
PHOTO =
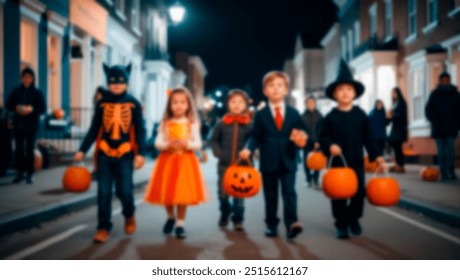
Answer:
(67, 41)
(388, 43)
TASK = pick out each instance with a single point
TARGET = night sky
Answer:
(239, 41)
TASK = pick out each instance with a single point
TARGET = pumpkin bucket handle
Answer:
(385, 173)
(78, 163)
(245, 160)
(341, 156)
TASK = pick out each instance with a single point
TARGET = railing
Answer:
(373, 43)
(65, 135)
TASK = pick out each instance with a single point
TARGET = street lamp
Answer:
(177, 12)
(218, 93)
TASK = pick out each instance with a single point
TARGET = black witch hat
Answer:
(344, 76)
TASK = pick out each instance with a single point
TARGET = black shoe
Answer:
(453, 177)
(342, 233)
(30, 179)
(169, 226)
(294, 230)
(271, 232)
(18, 178)
(223, 221)
(309, 184)
(355, 228)
(180, 232)
(238, 226)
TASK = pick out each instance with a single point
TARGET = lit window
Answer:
(388, 18)
(350, 44)
(412, 17)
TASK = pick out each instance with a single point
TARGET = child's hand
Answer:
(382, 165)
(245, 154)
(138, 162)
(78, 156)
(316, 145)
(299, 137)
(335, 150)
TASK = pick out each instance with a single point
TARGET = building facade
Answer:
(66, 42)
(404, 43)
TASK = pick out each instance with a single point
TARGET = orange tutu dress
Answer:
(177, 178)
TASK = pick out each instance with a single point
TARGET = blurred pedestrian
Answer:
(27, 104)
(378, 120)
(397, 116)
(443, 112)
(312, 119)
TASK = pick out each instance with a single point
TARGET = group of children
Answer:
(277, 131)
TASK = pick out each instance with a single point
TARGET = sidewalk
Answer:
(25, 206)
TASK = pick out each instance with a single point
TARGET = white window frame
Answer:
(350, 43)
(411, 36)
(136, 15)
(388, 19)
(357, 33)
(455, 10)
(373, 21)
(431, 22)
(344, 46)
(120, 9)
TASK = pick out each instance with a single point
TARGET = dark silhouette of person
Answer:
(27, 104)
(442, 110)
(397, 116)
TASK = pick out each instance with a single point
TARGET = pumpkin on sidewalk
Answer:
(242, 181)
(429, 174)
(340, 182)
(76, 178)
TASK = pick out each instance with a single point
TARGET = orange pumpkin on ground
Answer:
(38, 160)
(76, 179)
(340, 182)
(242, 181)
(316, 161)
(430, 174)
(370, 167)
(383, 191)
(59, 114)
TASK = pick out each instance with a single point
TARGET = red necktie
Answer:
(278, 118)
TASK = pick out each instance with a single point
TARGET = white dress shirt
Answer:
(282, 106)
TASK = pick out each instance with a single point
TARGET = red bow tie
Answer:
(229, 119)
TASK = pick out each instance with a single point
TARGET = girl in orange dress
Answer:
(177, 180)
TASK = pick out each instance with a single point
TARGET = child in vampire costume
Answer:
(344, 132)
(118, 129)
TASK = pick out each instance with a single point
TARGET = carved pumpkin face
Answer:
(370, 167)
(316, 161)
(76, 179)
(241, 181)
(340, 183)
(383, 191)
(430, 174)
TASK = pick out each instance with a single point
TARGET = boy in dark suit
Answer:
(346, 130)
(278, 131)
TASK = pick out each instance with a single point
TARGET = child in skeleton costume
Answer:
(118, 129)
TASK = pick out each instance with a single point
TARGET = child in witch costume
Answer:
(279, 132)
(228, 137)
(118, 127)
(345, 131)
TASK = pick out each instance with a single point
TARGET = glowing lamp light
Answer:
(219, 104)
(218, 93)
(177, 12)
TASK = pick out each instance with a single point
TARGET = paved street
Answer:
(390, 233)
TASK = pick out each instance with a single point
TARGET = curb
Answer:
(448, 216)
(33, 218)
